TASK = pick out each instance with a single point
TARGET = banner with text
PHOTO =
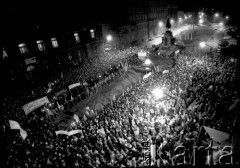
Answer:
(73, 85)
(29, 107)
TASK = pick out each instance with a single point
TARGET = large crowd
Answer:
(132, 118)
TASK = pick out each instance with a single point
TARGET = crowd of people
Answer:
(199, 90)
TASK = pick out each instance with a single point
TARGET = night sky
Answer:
(68, 11)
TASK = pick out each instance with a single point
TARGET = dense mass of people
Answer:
(199, 90)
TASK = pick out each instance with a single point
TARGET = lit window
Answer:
(77, 39)
(23, 48)
(4, 54)
(41, 46)
(54, 42)
(92, 33)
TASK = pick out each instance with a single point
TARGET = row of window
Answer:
(41, 47)
(141, 26)
(143, 17)
(138, 17)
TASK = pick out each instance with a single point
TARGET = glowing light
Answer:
(158, 93)
(216, 15)
(171, 21)
(202, 44)
(109, 38)
(142, 54)
(160, 24)
(221, 23)
(148, 61)
(180, 19)
(201, 21)
(227, 17)
(73, 124)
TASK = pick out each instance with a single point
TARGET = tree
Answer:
(168, 24)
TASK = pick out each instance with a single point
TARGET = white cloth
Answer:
(16, 125)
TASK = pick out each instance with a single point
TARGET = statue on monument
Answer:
(168, 39)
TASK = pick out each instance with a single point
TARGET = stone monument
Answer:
(168, 39)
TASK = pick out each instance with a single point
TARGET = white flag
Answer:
(76, 118)
(153, 152)
(23, 133)
(147, 75)
(16, 125)
(84, 118)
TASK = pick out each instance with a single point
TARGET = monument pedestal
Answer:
(168, 39)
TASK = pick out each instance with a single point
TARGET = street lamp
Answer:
(202, 44)
(158, 93)
(148, 62)
(180, 20)
(109, 38)
(227, 17)
(216, 15)
(160, 24)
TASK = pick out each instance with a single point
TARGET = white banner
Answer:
(61, 132)
(147, 75)
(29, 107)
(142, 55)
(153, 152)
(73, 85)
(73, 132)
(165, 71)
(61, 92)
(70, 133)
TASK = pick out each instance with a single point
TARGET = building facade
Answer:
(40, 51)
(146, 15)
(35, 47)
